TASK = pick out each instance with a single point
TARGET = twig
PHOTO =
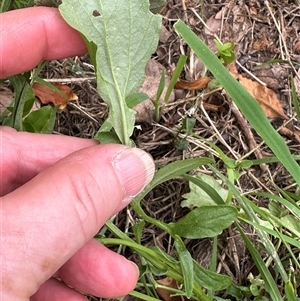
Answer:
(69, 80)
(282, 38)
(85, 113)
(218, 133)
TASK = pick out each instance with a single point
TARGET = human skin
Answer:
(57, 191)
(30, 35)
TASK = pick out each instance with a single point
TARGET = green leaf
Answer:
(239, 292)
(137, 229)
(290, 292)
(161, 86)
(121, 35)
(270, 284)
(225, 51)
(205, 221)
(292, 223)
(5, 5)
(210, 280)
(176, 74)
(188, 124)
(22, 103)
(107, 137)
(295, 97)
(41, 121)
(135, 98)
(204, 190)
(213, 85)
(245, 102)
(157, 5)
(245, 164)
(171, 171)
(187, 267)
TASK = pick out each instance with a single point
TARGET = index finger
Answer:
(33, 34)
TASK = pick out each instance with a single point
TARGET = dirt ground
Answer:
(266, 35)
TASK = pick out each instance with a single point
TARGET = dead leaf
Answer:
(261, 44)
(196, 84)
(6, 97)
(47, 95)
(165, 294)
(295, 135)
(266, 97)
(165, 34)
(211, 107)
(297, 47)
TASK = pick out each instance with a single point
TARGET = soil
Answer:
(263, 32)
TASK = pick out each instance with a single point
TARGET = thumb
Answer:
(47, 220)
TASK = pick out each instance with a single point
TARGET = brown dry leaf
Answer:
(297, 47)
(165, 34)
(266, 97)
(196, 84)
(211, 107)
(295, 134)
(6, 97)
(47, 95)
(165, 294)
(261, 44)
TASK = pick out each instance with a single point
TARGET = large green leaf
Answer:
(205, 221)
(120, 35)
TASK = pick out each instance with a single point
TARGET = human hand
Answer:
(58, 191)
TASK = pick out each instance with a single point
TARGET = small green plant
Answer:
(158, 107)
(225, 52)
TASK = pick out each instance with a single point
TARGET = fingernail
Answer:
(135, 169)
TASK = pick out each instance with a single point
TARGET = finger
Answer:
(24, 155)
(33, 34)
(98, 271)
(53, 290)
(52, 216)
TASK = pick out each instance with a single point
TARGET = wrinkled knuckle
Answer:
(86, 192)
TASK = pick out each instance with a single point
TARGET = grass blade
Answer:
(271, 286)
(295, 98)
(245, 102)
(179, 66)
(171, 171)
